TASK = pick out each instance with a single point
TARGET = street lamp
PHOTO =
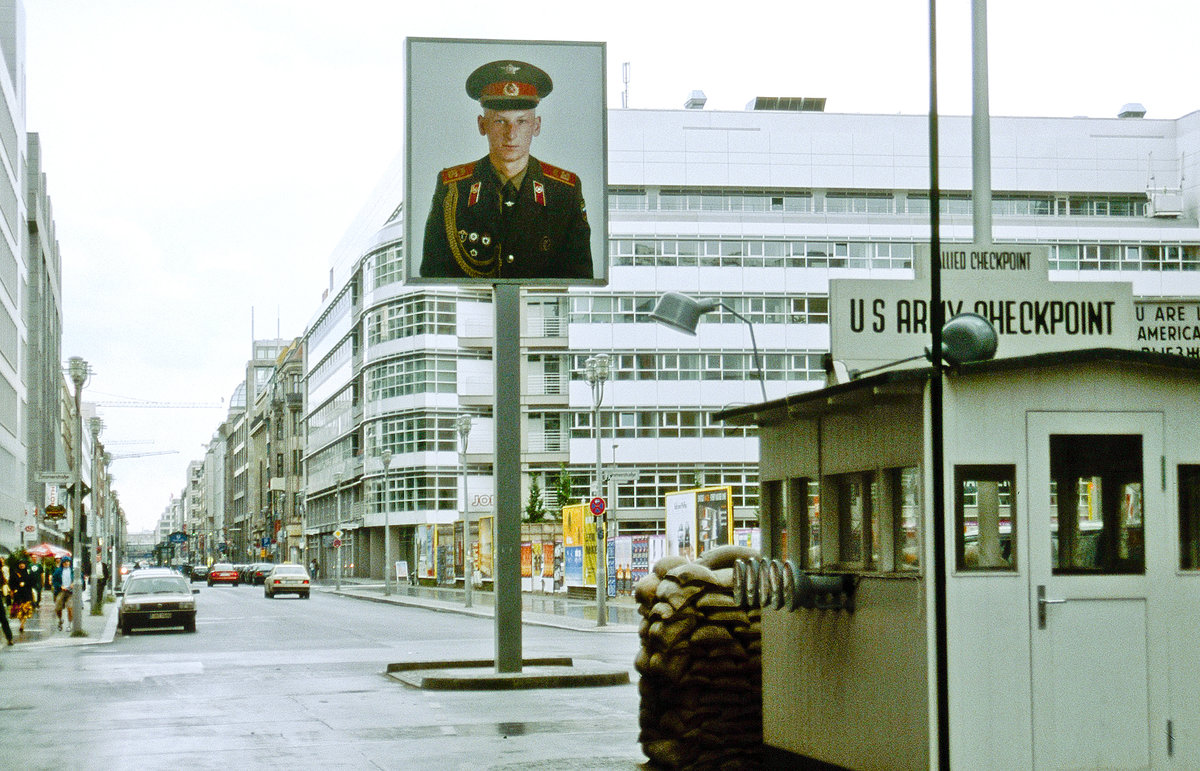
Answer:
(386, 457)
(464, 430)
(94, 425)
(597, 371)
(337, 481)
(683, 313)
(78, 370)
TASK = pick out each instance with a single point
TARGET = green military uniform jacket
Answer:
(472, 231)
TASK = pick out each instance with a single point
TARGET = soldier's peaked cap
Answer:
(509, 85)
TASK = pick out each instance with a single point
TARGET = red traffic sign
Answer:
(596, 505)
(337, 543)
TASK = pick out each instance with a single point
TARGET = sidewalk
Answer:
(41, 631)
(553, 610)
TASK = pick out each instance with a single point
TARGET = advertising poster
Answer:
(573, 556)
(486, 541)
(526, 566)
(658, 548)
(639, 559)
(681, 524)
(573, 518)
(749, 537)
(506, 162)
(447, 552)
(589, 554)
(426, 559)
(714, 518)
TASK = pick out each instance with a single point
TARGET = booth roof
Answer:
(911, 382)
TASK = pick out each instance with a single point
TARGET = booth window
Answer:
(906, 517)
(774, 524)
(1189, 517)
(858, 526)
(804, 518)
(1096, 524)
(985, 517)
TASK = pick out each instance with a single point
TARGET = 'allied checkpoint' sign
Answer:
(874, 322)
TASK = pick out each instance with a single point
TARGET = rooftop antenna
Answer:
(625, 78)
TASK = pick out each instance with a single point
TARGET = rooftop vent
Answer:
(695, 101)
(788, 103)
(1132, 110)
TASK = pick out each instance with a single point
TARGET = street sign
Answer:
(56, 511)
(624, 476)
(177, 537)
(55, 477)
(337, 533)
(337, 543)
(596, 505)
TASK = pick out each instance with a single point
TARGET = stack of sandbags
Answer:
(700, 665)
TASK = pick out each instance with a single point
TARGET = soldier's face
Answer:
(509, 133)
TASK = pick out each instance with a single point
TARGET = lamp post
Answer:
(94, 426)
(78, 370)
(337, 481)
(597, 371)
(386, 457)
(464, 430)
(682, 313)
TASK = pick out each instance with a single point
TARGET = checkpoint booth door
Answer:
(1098, 520)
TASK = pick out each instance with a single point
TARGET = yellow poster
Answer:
(573, 523)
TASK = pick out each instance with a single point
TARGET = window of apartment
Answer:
(985, 517)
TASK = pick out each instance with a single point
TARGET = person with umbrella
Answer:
(21, 587)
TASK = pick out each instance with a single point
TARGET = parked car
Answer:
(287, 578)
(154, 598)
(222, 573)
(199, 572)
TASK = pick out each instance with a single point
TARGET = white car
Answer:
(156, 597)
(287, 578)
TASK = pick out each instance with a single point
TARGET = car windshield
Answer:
(158, 585)
(291, 570)
(222, 566)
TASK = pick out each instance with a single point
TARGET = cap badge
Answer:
(512, 89)
(511, 68)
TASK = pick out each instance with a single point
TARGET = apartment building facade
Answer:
(758, 209)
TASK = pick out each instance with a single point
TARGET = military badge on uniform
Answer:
(473, 198)
(539, 193)
(546, 244)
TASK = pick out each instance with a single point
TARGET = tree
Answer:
(534, 510)
(563, 487)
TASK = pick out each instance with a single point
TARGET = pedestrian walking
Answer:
(5, 600)
(21, 589)
(62, 582)
(36, 579)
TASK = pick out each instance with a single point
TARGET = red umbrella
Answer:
(49, 550)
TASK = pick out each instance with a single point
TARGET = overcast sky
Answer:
(204, 158)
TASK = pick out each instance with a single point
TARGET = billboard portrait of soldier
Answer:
(510, 215)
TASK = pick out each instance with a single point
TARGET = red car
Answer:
(222, 573)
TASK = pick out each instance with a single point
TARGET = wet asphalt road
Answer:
(292, 683)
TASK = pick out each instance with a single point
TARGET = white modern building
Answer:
(13, 276)
(758, 209)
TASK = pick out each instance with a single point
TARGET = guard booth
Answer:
(1072, 553)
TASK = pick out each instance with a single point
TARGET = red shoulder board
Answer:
(457, 172)
(562, 175)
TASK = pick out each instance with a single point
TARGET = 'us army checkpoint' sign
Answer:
(874, 322)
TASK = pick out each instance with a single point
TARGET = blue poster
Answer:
(574, 565)
(611, 570)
